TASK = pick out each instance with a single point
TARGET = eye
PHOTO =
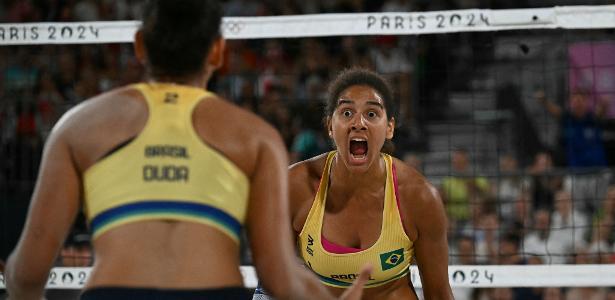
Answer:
(347, 113)
(372, 114)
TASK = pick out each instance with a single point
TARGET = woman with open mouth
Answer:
(357, 205)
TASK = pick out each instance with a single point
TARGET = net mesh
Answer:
(490, 116)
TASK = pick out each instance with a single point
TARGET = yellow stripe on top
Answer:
(167, 171)
(390, 256)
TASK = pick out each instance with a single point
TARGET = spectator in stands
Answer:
(464, 254)
(313, 71)
(389, 58)
(48, 100)
(86, 10)
(552, 293)
(484, 228)
(397, 6)
(275, 65)
(110, 73)
(523, 211)
(311, 137)
(501, 294)
(568, 224)
(87, 85)
(66, 75)
(580, 128)
(20, 73)
(510, 254)
(26, 119)
(599, 249)
(414, 160)
(607, 211)
(543, 182)
(586, 293)
(462, 189)
(77, 251)
(539, 240)
(508, 187)
(392, 60)
(237, 8)
(20, 11)
(605, 220)
(273, 109)
(132, 72)
(354, 52)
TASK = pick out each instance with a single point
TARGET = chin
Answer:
(359, 164)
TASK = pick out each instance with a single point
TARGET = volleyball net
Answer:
(476, 88)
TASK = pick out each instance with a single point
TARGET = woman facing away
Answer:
(168, 176)
(358, 205)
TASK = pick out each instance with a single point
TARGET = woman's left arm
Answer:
(430, 246)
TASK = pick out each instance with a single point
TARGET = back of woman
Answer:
(171, 167)
(168, 175)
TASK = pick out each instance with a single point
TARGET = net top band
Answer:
(321, 25)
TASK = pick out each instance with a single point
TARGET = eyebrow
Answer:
(374, 103)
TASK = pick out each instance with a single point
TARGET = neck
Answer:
(347, 182)
(198, 80)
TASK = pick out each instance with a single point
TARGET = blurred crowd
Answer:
(535, 213)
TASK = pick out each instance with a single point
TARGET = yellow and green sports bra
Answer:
(167, 172)
(337, 265)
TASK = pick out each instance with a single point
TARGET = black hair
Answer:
(178, 35)
(360, 76)
(513, 238)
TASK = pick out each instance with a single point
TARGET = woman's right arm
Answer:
(269, 229)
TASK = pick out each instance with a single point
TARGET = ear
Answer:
(215, 58)
(329, 127)
(139, 47)
(390, 128)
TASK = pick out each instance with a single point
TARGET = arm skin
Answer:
(270, 230)
(53, 209)
(303, 187)
(551, 107)
(424, 208)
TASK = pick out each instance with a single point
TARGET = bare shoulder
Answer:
(243, 118)
(102, 111)
(416, 192)
(237, 133)
(409, 179)
(308, 169)
(237, 121)
(304, 178)
(98, 124)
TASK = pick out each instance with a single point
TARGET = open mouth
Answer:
(358, 149)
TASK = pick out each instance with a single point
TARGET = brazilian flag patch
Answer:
(391, 259)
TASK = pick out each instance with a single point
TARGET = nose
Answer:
(358, 123)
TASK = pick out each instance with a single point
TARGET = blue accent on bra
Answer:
(166, 207)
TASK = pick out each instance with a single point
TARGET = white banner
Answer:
(459, 276)
(68, 33)
(402, 23)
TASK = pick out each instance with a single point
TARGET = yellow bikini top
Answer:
(167, 171)
(390, 256)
